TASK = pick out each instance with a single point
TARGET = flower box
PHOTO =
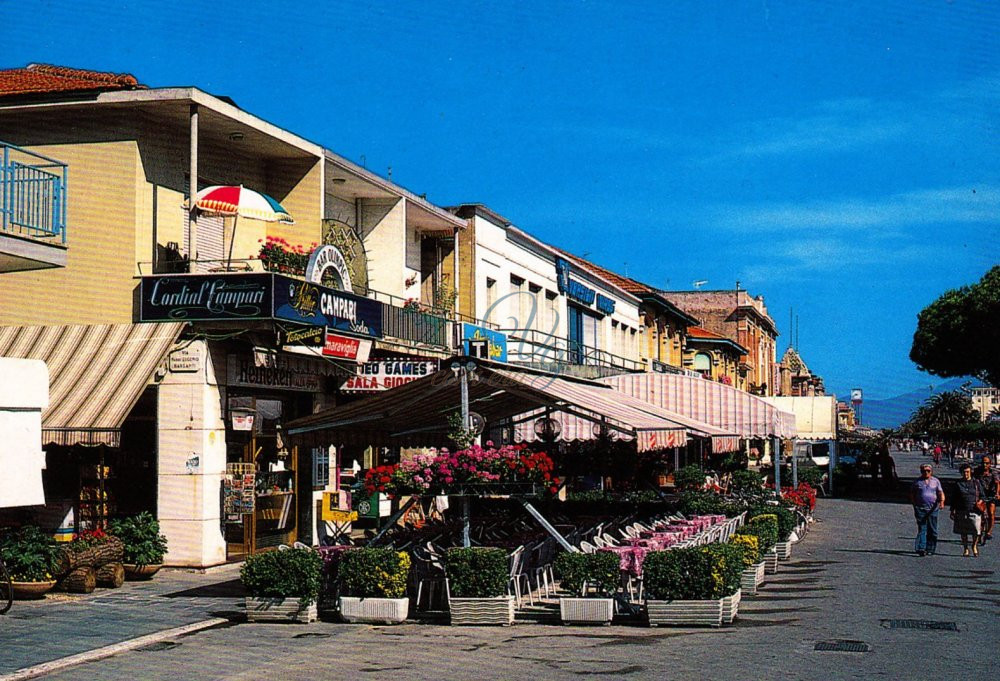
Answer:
(279, 610)
(498, 610)
(136, 573)
(374, 610)
(771, 562)
(685, 613)
(752, 578)
(29, 591)
(731, 607)
(783, 549)
(586, 610)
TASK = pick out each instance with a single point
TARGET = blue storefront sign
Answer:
(308, 303)
(571, 287)
(496, 342)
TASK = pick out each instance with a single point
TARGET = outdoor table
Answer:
(630, 558)
(672, 537)
(653, 543)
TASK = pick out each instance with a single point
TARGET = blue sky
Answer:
(840, 158)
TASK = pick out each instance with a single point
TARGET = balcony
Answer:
(32, 210)
(418, 326)
(530, 347)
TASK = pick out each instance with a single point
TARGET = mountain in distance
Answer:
(895, 411)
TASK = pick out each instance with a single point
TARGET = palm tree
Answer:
(944, 410)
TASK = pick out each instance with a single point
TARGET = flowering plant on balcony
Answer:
(278, 255)
(444, 471)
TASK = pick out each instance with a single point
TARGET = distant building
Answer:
(795, 378)
(715, 357)
(986, 400)
(743, 319)
(845, 416)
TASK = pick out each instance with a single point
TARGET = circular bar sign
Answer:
(326, 258)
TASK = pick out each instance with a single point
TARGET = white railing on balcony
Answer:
(530, 346)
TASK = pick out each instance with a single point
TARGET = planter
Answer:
(731, 607)
(279, 610)
(136, 573)
(374, 610)
(752, 578)
(685, 613)
(499, 610)
(586, 610)
(30, 591)
(771, 562)
(783, 549)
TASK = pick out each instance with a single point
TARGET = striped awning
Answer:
(96, 374)
(723, 406)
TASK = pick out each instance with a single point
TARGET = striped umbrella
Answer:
(236, 201)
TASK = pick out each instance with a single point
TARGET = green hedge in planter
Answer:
(787, 519)
(477, 572)
(295, 573)
(700, 502)
(693, 574)
(140, 535)
(600, 571)
(374, 573)
(751, 548)
(689, 477)
(765, 528)
(746, 482)
(29, 554)
(728, 563)
(812, 474)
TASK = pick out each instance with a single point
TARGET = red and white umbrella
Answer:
(236, 201)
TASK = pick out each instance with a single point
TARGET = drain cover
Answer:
(920, 624)
(843, 646)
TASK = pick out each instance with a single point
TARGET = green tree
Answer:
(959, 334)
(943, 411)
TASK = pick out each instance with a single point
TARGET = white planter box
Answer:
(771, 562)
(374, 610)
(752, 578)
(587, 610)
(783, 549)
(685, 613)
(499, 610)
(731, 607)
(279, 610)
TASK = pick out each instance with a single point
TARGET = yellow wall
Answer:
(96, 285)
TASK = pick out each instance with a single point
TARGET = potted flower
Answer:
(144, 545)
(374, 583)
(697, 586)
(766, 527)
(753, 567)
(30, 557)
(282, 586)
(478, 579)
(581, 573)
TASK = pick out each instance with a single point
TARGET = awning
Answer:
(501, 394)
(723, 406)
(815, 417)
(96, 374)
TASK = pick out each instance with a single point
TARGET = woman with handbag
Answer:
(966, 506)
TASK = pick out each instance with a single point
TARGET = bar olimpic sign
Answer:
(201, 297)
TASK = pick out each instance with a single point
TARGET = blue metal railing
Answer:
(32, 194)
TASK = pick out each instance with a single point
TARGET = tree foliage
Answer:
(943, 411)
(959, 334)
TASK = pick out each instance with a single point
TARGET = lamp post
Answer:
(463, 370)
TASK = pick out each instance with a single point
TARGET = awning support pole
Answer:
(391, 522)
(547, 526)
(795, 468)
(466, 541)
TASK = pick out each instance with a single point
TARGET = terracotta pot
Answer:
(135, 573)
(29, 591)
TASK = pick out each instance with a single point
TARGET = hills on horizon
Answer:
(894, 411)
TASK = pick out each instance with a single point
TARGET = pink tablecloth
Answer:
(630, 557)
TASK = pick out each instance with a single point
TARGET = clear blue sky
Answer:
(840, 158)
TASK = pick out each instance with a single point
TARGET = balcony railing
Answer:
(32, 194)
(529, 346)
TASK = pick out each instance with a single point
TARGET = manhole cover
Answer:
(843, 646)
(920, 624)
(311, 635)
(159, 645)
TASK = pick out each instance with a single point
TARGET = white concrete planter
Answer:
(374, 610)
(752, 578)
(771, 562)
(495, 611)
(586, 610)
(731, 607)
(685, 613)
(783, 549)
(279, 610)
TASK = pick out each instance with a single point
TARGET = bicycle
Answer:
(6, 588)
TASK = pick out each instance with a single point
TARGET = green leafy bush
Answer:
(29, 554)
(477, 572)
(599, 570)
(374, 573)
(697, 573)
(140, 534)
(295, 573)
(689, 477)
(787, 520)
(702, 502)
(765, 528)
(746, 482)
(751, 548)
(812, 475)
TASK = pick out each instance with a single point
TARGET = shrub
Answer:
(765, 528)
(477, 572)
(813, 475)
(746, 482)
(689, 477)
(700, 502)
(29, 554)
(140, 535)
(374, 573)
(599, 570)
(751, 548)
(696, 573)
(295, 573)
(786, 517)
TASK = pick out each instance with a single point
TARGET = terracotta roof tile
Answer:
(44, 78)
(699, 332)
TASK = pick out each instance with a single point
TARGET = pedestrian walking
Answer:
(966, 502)
(925, 447)
(937, 455)
(927, 497)
(950, 449)
(989, 484)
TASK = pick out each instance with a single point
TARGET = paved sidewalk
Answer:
(34, 632)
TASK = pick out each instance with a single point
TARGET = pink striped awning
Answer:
(723, 406)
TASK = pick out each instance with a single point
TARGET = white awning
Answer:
(815, 417)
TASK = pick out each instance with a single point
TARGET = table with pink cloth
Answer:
(667, 536)
(653, 543)
(630, 558)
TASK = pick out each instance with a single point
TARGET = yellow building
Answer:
(715, 357)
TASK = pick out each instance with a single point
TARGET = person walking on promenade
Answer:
(927, 497)
(989, 483)
(950, 450)
(937, 455)
(965, 510)
(924, 447)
